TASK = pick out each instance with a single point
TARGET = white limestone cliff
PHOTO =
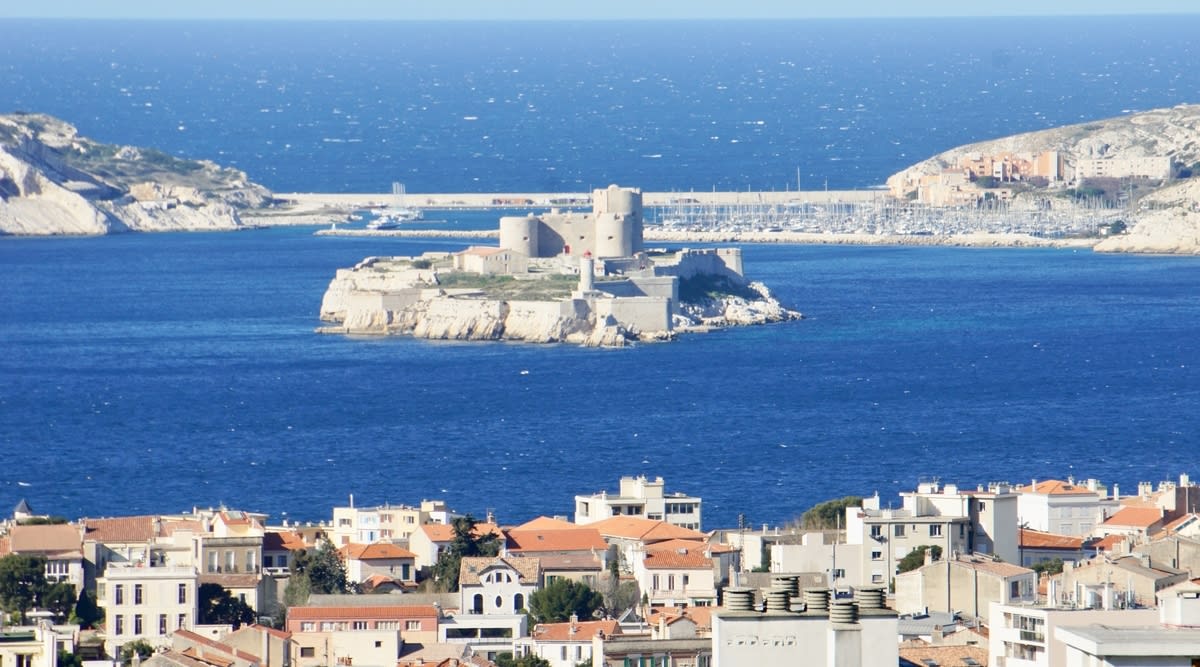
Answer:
(52, 181)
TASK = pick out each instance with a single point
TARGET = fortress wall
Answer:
(641, 314)
(715, 261)
(666, 287)
(520, 233)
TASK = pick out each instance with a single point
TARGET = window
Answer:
(308, 651)
(137, 593)
(360, 625)
(162, 624)
(685, 580)
(670, 582)
(182, 593)
(877, 578)
(24, 660)
(563, 654)
(137, 624)
(405, 571)
(181, 621)
(250, 561)
(230, 561)
(935, 530)
(654, 583)
(308, 626)
(412, 625)
(499, 602)
(876, 555)
(898, 530)
(212, 561)
(876, 531)
(378, 644)
(518, 602)
(119, 625)
(119, 595)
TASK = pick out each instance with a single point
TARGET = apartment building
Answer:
(640, 497)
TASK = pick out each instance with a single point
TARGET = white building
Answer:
(497, 585)
(1064, 508)
(564, 644)
(640, 497)
(147, 603)
(979, 521)
(964, 583)
(384, 523)
(1023, 636)
(36, 645)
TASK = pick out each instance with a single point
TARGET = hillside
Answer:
(53, 181)
(1163, 218)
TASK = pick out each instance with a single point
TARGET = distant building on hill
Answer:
(640, 497)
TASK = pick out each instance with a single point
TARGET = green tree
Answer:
(506, 659)
(68, 659)
(141, 647)
(60, 598)
(916, 557)
(86, 613)
(465, 543)
(216, 605)
(22, 582)
(555, 602)
(319, 570)
(1048, 566)
(828, 515)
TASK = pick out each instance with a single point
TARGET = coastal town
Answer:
(1051, 572)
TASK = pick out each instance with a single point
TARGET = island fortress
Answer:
(612, 229)
(563, 276)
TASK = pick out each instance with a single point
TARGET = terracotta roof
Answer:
(380, 612)
(547, 523)
(206, 657)
(376, 551)
(169, 526)
(195, 638)
(583, 631)
(574, 539)
(681, 559)
(1181, 522)
(647, 530)
(120, 529)
(283, 541)
(440, 532)
(672, 545)
(471, 567)
(237, 518)
(1036, 539)
(944, 656)
(1057, 487)
(1108, 542)
(55, 538)
(1135, 517)
(702, 616)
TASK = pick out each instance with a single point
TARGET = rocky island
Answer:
(582, 278)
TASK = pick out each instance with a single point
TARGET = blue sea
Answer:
(148, 373)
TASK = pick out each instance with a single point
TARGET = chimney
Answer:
(935, 637)
(1116, 491)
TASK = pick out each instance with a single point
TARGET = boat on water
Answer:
(393, 218)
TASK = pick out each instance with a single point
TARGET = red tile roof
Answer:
(120, 529)
(702, 616)
(646, 530)
(283, 541)
(440, 532)
(547, 523)
(1057, 487)
(573, 539)
(470, 568)
(681, 559)
(376, 551)
(583, 631)
(381, 612)
(55, 538)
(1036, 539)
(1135, 517)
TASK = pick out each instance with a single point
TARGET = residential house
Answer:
(1177, 551)
(967, 583)
(1174, 498)
(1024, 635)
(631, 536)
(148, 603)
(626, 651)
(913, 655)
(364, 561)
(415, 623)
(564, 644)
(60, 544)
(680, 622)
(678, 572)
(384, 523)
(1114, 582)
(278, 547)
(128, 539)
(1174, 640)
(344, 648)
(1040, 547)
(35, 645)
(497, 585)
(428, 541)
(1064, 507)
(250, 646)
(586, 570)
(979, 521)
(1139, 523)
(640, 497)
(821, 551)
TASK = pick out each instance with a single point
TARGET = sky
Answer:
(573, 9)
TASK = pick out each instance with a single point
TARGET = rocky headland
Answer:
(1161, 214)
(54, 181)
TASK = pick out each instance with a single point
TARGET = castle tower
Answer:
(618, 219)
